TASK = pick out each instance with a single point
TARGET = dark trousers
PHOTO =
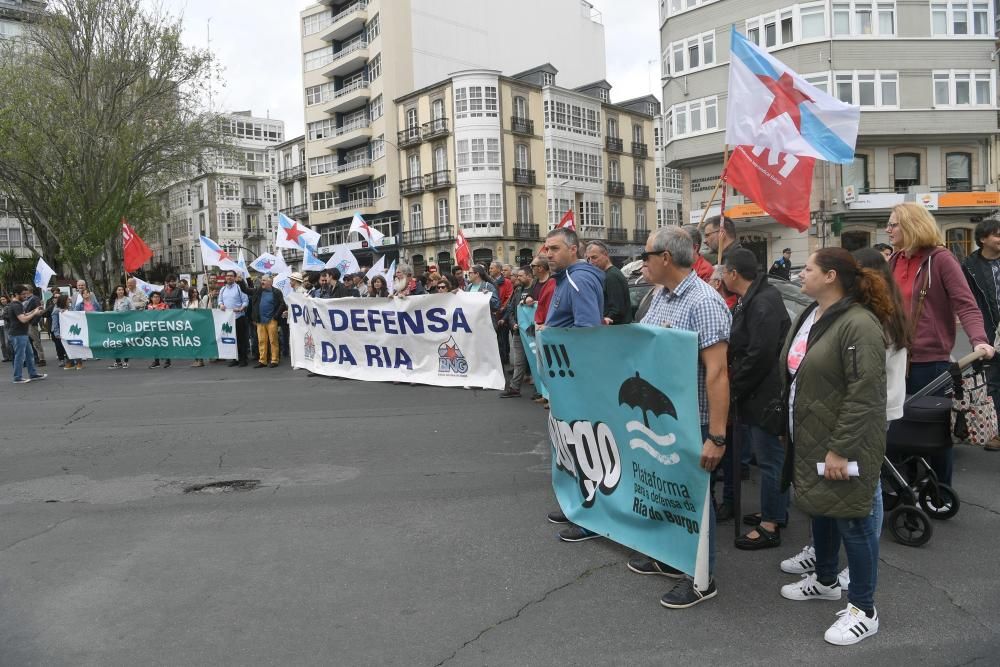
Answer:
(242, 338)
(921, 374)
(503, 342)
(283, 338)
(60, 350)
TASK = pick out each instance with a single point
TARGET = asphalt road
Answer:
(393, 525)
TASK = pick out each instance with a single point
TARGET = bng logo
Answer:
(451, 361)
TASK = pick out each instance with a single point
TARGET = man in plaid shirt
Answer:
(684, 301)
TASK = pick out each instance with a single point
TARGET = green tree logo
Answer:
(75, 329)
(227, 328)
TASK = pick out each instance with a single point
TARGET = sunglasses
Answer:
(442, 288)
(644, 256)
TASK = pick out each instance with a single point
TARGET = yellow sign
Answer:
(953, 199)
(745, 211)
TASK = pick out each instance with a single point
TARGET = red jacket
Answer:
(948, 295)
(545, 292)
(505, 290)
(703, 268)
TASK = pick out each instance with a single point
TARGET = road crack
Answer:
(942, 589)
(982, 507)
(583, 575)
(38, 534)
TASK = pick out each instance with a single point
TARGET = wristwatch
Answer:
(717, 440)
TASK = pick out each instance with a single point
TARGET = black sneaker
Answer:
(155, 364)
(557, 517)
(645, 565)
(723, 513)
(685, 595)
(576, 534)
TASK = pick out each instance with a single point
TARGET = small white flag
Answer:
(343, 260)
(147, 288)
(390, 277)
(377, 270)
(43, 273)
(270, 263)
(310, 262)
(283, 281)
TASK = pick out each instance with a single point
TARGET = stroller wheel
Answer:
(910, 526)
(939, 501)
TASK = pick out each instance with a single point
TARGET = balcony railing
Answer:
(600, 233)
(300, 211)
(524, 176)
(640, 191)
(351, 166)
(435, 128)
(640, 234)
(357, 6)
(411, 186)
(253, 202)
(616, 188)
(437, 180)
(351, 48)
(408, 137)
(352, 126)
(614, 145)
(639, 149)
(525, 231)
(253, 234)
(347, 90)
(619, 235)
(428, 235)
(292, 173)
(353, 204)
(520, 125)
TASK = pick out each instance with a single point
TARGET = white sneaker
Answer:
(844, 577)
(809, 588)
(802, 563)
(852, 626)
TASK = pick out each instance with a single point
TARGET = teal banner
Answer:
(626, 437)
(526, 328)
(149, 334)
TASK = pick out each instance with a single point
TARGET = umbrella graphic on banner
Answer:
(638, 393)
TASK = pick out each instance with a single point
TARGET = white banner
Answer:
(446, 340)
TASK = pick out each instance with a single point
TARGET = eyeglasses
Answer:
(891, 225)
(644, 256)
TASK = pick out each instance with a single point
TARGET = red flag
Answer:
(780, 183)
(462, 254)
(567, 221)
(136, 251)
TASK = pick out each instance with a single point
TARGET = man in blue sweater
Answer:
(578, 301)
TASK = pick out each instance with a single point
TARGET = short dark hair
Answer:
(882, 247)
(333, 273)
(743, 262)
(784, 250)
(986, 227)
(568, 235)
(227, 274)
(724, 223)
(456, 269)
(20, 289)
(174, 277)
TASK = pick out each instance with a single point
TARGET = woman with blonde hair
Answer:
(934, 293)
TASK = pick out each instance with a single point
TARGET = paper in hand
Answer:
(852, 468)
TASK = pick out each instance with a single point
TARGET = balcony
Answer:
(482, 230)
(437, 180)
(618, 235)
(525, 231)
(349, 97)
(351, 57)
(292, 174)
(640, 234)
(413, 185)
(524, 176)
(408, 137)
(428, 235)
(352, 172)
(614, 145)
(639, 149)
(365, 206)
(520, 125)
(434, 129)
(299, 212)
(616, 188)
(254, 234)
(346, 23)
(594, 233)
(355, 133)
(640, 191)
(253, 202)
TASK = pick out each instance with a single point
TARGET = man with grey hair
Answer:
(404, 282)
(701, 265)
(683, 301)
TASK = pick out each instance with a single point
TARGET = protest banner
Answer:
(443, 339)
(149, 334)
(526, 327)
(626, 438)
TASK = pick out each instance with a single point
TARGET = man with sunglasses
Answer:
(684, 301)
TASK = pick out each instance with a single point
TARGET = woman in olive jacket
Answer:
(835, 383)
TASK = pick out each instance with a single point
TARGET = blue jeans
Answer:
(860, 538)
(770, 459)
(22, 355)
(920, 376)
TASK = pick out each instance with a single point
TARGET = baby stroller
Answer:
(911, 492)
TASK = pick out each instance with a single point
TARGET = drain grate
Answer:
(227, 486)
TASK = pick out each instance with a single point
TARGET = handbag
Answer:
(973, 415)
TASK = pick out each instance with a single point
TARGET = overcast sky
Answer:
(257, 43)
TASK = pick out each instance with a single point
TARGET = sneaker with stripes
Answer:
(809, 588)
(803, 562)
(852, 626)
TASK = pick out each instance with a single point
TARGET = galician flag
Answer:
(343, 260)
(294, 235)
(283, 281)
(310, 262)
(213, 255)
(370, 234)
(147, 288)
(270, 263)
(242, 263)
(43, 274)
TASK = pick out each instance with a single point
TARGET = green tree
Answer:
(15, 270)
(102, 107)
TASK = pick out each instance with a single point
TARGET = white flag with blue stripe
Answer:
(772, 107)
(43, 274)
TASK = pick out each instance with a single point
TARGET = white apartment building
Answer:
(669, 182)
(923, 71)
(234, 201)
(360, 56)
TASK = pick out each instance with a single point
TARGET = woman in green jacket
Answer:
(835, 381)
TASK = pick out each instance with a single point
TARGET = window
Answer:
(548, 79)
(319, 58)
(958, 172)
(637, 134)
(325, 164)
(319, 94)
(254, 161)
(639, 173)
(590, 214)
(960, 18)
(478, 154)
(227, 189)
(480, 210)
(440, 159)
(411, 119)
(872, 90)
(813, 21)
(821, 81)
(229, 221)
(437, 109)
(864, 19)
(416, 216)
(693, 53)
(520, 107)
(375, 109)
(322, 201)
(959, 242)
(614, 171)
(521, 157)
(906, 171)
(322, 129)
(378, 147)
(615, 213)
(788, 26)
(375, 67)
(413, 166)
(372, 29)
(856, 174)
(640, 216)
(963, 88)
(378, 187)
(576, 165)
(693, 117)
(316, 22)
(612, 128)
(442, 219)
(476, 101)
(524, 209)
(572, 118)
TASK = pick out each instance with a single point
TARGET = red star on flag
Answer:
(787, 98)
(293, 233)
(451, 352)
(223, 255)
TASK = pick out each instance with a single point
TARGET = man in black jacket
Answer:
(330, 286)
(617, 302)
(760, 323)
(982, 271)
(266, 307)
(518, 361)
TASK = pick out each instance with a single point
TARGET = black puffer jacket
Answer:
(979, 275)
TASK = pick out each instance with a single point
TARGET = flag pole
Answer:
(718, 184)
